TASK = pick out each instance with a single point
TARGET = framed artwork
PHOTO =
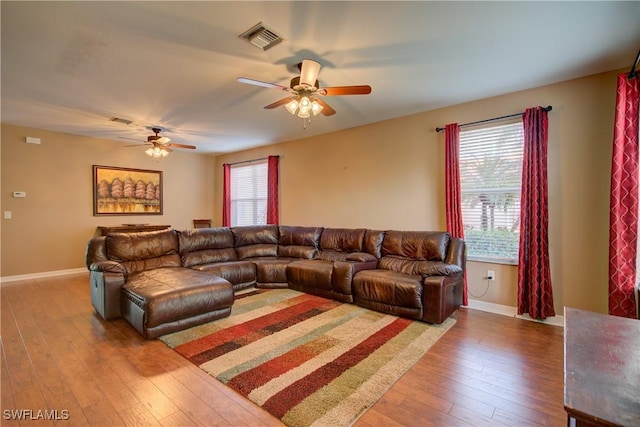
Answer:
(123, 191)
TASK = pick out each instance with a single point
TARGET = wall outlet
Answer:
(491, 275)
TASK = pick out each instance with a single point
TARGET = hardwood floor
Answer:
(58, 355)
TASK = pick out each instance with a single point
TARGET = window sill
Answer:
(488, 260)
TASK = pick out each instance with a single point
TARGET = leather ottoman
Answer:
(164, 300)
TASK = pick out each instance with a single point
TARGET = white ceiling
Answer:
(71, 66)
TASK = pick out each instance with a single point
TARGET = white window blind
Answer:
(249, 194)
(490, 179)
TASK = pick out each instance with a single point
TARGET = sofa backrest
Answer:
(206, 245)
(299, 242)
(418, 252)
(418, 245)
(373, 242)
(144, 250)
(256, 241)
(96, 251)
(336, 244)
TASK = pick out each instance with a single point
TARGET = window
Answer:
(249, 194)
(490, 181)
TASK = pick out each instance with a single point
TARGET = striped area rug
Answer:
(307, 360)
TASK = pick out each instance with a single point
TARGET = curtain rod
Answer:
(632, 72)
(494, 119)
(248, 161)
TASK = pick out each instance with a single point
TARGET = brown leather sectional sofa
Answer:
(169, 280)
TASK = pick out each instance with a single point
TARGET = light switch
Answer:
(7, 214)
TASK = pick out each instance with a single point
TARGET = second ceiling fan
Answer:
(305, 92)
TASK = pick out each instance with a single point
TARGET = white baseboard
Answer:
(8, 279)
(507, 310)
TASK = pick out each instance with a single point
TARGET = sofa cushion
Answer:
(138, 246)
(342, 239)
(373, 242)
(236, 272)
(331, 255)
(255, 234)
(205, 238)
(206, 245)
(388, 287)
(271, 270)
(256, 241)
(208, 256)
(418, 245)
(312, 274)
(299, 236)
(417, 267)
(144, 250)
(298, 242)
(296, 251)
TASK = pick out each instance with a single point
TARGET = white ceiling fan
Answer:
(160, 145)
(305, 92)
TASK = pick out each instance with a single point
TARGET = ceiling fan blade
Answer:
(345, 90)
(132, 139)
(160, 139)
(309, 72)
(327, 110)
(262, 84)
(173, 144)
(280, 102)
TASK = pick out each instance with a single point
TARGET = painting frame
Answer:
(136, 191)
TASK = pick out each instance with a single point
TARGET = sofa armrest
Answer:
(361, 257)
(441, 296)
(108, 267)
(106, 280)
(457, 252)
(105, 293)
(342, 277)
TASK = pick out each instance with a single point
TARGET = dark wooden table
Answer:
(128, 228)
(601, 369)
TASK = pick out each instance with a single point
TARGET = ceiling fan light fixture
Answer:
(157, 152)
(316, 108)
(303, 114)
(292, 106)
(305, 104)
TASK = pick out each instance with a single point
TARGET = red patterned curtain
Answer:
(272, 190)
(623, 220)
(226, 196)
(534, 278)
(453, 201)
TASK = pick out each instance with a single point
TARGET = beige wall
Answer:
(49, 228)
(390, 175)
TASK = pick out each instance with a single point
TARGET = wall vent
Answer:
(261, 36)
(119, 120)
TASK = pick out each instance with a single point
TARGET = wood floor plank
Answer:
(56, 353)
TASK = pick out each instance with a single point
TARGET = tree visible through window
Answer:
(249, 194)
(490, 180)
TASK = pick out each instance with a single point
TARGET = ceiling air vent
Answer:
(261, 36)
(119, 120)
